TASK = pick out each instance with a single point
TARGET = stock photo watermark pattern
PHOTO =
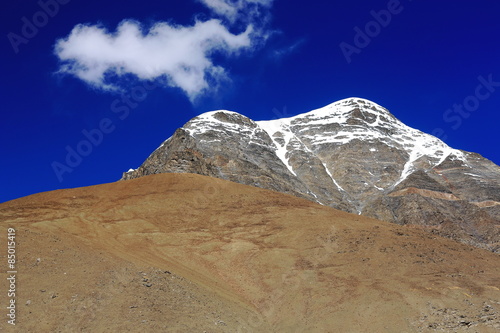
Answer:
(93, 138)
(456, 115)
(30, 26)
(12, 276)
(371, 30)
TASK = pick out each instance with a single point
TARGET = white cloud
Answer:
(246, 10)
(222, 8)
(180, 56)
(281, 52)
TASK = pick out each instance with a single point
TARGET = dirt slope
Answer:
(188, 253)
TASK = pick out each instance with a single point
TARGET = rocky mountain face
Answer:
(352, 155)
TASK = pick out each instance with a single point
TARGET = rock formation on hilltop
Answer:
(352, 155)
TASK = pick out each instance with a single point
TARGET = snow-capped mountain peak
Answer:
(357, 119)
(352, 155)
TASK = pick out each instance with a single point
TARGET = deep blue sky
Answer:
(428, 58)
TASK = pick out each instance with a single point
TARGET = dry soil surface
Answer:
(188, 253)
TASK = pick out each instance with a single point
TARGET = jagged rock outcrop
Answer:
(352, 155)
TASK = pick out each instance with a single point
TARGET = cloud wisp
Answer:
(244, 10)
(178, 56)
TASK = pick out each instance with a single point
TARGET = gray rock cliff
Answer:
(352, 155)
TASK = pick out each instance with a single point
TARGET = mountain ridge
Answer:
(350, 155)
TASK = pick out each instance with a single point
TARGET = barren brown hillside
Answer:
(188, 253)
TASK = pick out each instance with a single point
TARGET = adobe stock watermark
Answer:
(31, 26)
(460, 111)
(363, 37)
(12, 275)
(94, 137)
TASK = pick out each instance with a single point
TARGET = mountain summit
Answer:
(352, 155)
